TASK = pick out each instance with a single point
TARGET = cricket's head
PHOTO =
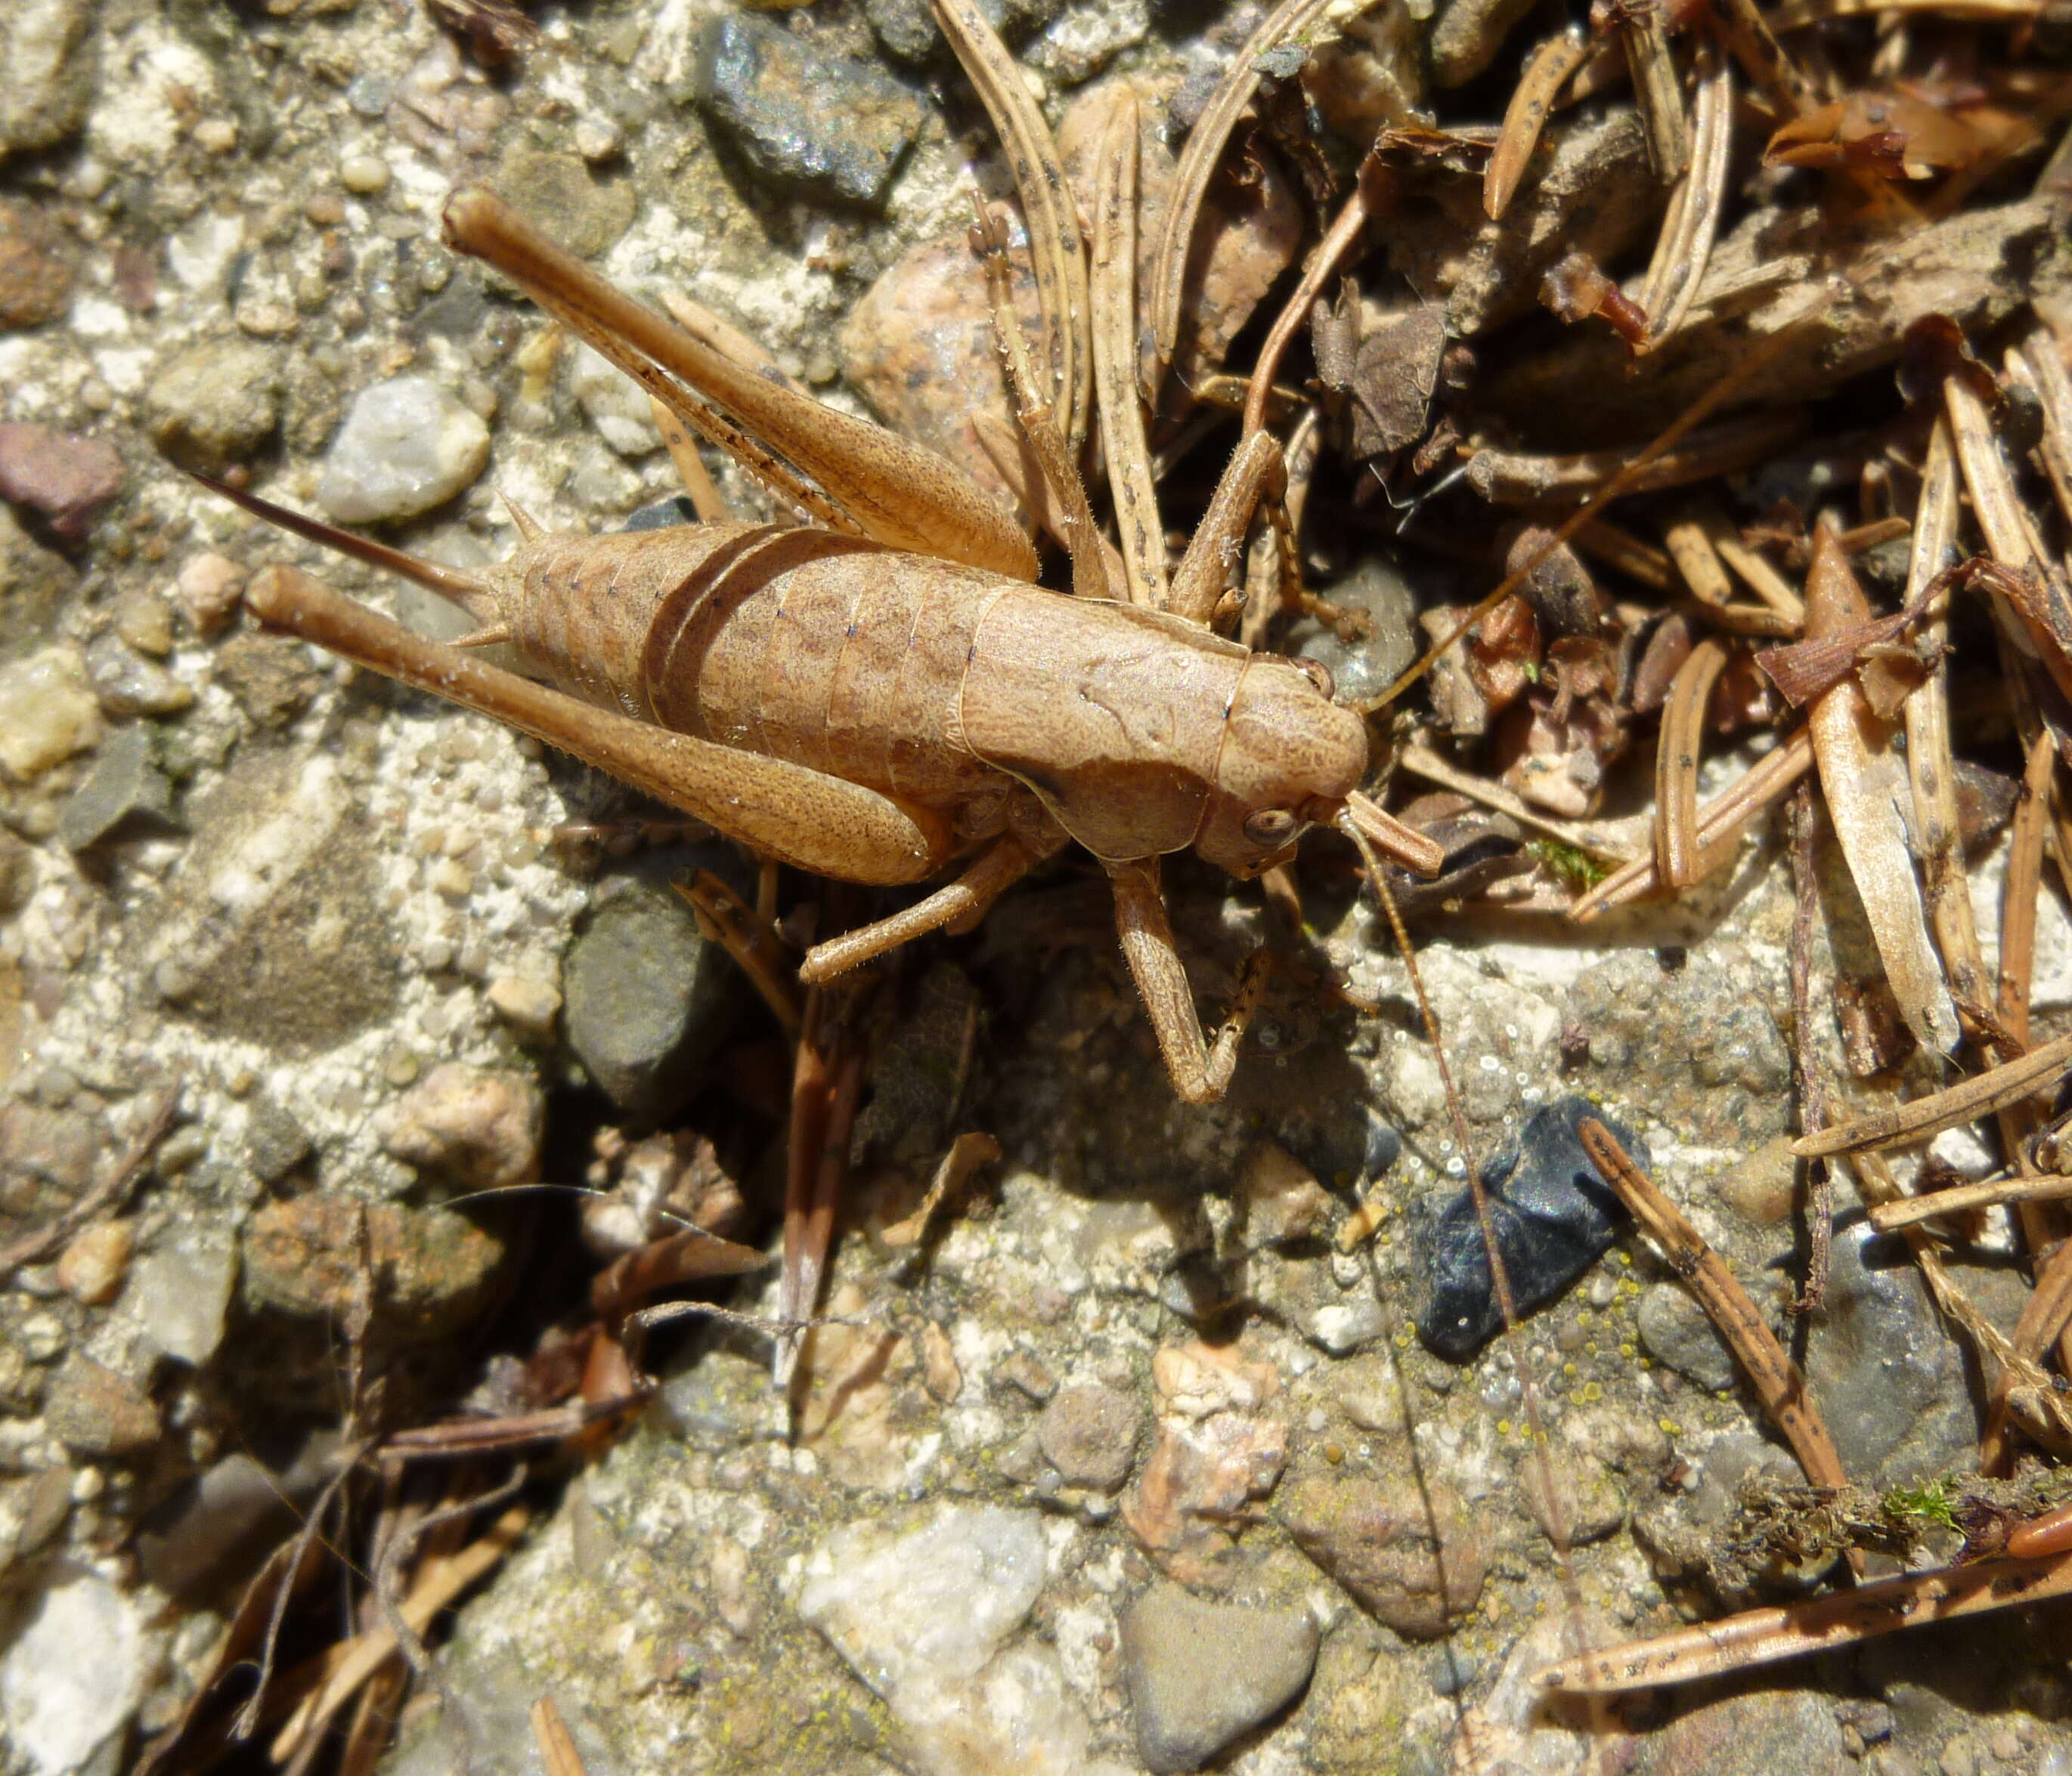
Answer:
(1290, 759)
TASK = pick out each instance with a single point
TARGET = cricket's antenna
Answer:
(1556, 1522)
(464, 588)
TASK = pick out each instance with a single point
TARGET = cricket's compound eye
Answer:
(1270, 828)
(1318, 673)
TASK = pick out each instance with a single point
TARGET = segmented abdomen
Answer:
(823, 650)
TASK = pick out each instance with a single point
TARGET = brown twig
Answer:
(1779, 1388)
(2006, 1084)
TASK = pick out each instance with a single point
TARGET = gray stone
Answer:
(1677, 1332)
(125, 795)
(1201, 1674)
(1883, 1370)
(47, 49)
(34, 583)
(128, 684)
(1466, 35)
(179, 1295)
(73, 1674)
(1089, 1433)
(222, 1510)
(1754, 1735)
(18, 873)
(1368, 664)
(93, 1411)
(275, 1143)
(648, 998)
(826, 124)
(1409, 1551)
(583, 213)
(215, 404)
(406, 446)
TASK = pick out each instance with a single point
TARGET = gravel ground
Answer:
(1035, 1508)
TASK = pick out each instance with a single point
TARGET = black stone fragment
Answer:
(1554, 1217)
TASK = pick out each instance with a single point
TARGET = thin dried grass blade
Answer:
(2045, 613)
(1763, 579)
(1658, 91)
(557, 1745)
(1797, 15)
(1725, 818)
(1861, 778)
(1779, 1386)
(1761, 1637)
(2006, 1084)
(1114, 336)
(2040, 362)
(1679, 859)
(1056, 252)
(1405, 845)
(1684, 247)
(1930, 764)
(1285, 23)
(1691, 548)
(1510, 478)
(1613, 840)
(967, 1154)
(1549, 68)
(1764, 60)
(1621, 550)
(1960, 1199)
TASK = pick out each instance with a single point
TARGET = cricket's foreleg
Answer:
(1201, 1070)
(1257, 474)
(998, 867)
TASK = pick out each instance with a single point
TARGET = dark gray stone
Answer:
(648, 998)
(830, 125)
(1368, 664)
(1883, 1369)
(1554, 1217)
(125, 795)
(1201, 1674)
(1089, 1434)
(1678, 1333)
(275, 1143)
(34, 583)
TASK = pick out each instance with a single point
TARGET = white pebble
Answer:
(363, 174)
(406, 446)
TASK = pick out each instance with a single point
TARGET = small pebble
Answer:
(47, 712)
(477, 1125)
(35, 282)
(363, 174)
(453, 879)
(143, 620)
(216, 403)
(529, 1006)
(1090, 1434)
(91, 1268)
(209, 587)
(215, 135)
(406, 446)
(67, 478)
(128, 684)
